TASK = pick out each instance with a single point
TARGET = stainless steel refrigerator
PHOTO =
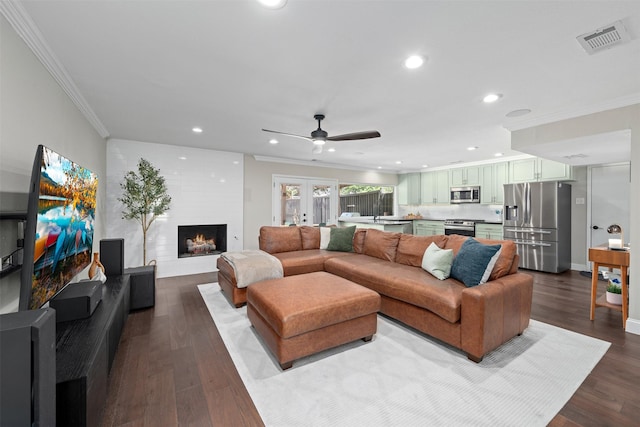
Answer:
(537, 217)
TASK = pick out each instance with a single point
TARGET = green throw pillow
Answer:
(437, 261)
(474, 262)
(341, 239)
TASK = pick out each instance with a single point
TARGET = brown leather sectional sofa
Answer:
(475, 320)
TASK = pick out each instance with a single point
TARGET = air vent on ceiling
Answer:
(604, 38)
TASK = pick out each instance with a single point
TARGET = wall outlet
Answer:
(579, 200)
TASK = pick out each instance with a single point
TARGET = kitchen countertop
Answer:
(396, 220)
(382, 221)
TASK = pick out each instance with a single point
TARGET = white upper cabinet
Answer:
(538, 169)
(471, 175)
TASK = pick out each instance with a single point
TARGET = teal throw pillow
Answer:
(437, 261)
(341, 239)
(474, 262)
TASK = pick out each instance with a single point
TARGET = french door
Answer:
(304, 201)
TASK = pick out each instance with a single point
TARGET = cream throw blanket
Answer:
(252, 266)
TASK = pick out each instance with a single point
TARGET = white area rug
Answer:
(404, 378)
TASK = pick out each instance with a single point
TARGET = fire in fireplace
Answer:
(199, 240)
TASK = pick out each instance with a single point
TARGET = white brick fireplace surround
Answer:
(206, 187)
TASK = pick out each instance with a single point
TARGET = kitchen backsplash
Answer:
(490, 213)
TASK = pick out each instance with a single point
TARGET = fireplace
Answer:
(201, 240)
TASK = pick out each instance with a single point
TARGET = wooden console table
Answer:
(602, 256)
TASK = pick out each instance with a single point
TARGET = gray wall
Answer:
(35, 110)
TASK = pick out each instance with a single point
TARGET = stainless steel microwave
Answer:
(465, 195)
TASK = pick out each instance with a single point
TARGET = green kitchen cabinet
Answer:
(460, 177)
(435, 188)
(428, 227)
(538, 169)
(494, 176)
(409, 189)
(489, 231)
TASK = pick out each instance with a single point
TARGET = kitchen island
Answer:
(385, 224)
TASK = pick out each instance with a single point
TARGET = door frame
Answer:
(307, 183)
(590, 200)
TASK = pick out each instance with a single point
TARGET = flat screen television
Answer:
(59, 228)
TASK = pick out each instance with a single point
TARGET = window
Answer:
(367, 200)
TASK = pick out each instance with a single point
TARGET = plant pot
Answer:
(615, 299)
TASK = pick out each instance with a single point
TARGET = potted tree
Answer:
(144, 198)
(614, 291)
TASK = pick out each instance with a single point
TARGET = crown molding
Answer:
(524, 123)
(319, 164)
(22, 23)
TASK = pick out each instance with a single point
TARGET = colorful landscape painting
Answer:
(64, 230)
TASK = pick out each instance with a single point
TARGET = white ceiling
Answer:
(151, 70)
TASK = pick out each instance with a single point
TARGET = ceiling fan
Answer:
(319, 137)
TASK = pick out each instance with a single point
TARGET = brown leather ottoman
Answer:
(300, 315)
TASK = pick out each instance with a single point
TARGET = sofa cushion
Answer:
(402, 282)
(310, 237)
(279, 239)
(437, 261)
(302, 262)
(504, 264)
(507, 261)
(358, 240)
(411, 248)
(381, 244)
(474, 262)
(325, 237)
(341, 239)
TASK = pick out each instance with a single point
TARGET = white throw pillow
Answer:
(325, 237)
(437, 261)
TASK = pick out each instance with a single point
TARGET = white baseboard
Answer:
(633, 326)
(580, 267)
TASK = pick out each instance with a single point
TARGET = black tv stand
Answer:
(85, 350)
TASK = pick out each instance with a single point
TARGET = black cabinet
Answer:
(28, 368)
(85, 350)
(143, 286)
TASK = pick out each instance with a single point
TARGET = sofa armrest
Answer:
(494, 312)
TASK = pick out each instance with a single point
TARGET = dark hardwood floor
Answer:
(172, 367)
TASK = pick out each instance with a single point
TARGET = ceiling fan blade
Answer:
(288, 134)
(356, 135)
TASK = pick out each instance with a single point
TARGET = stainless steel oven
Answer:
(463, 227)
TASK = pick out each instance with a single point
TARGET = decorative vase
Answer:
(615, 299)
(95, 265)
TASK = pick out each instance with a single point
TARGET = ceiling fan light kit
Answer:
(319, 137)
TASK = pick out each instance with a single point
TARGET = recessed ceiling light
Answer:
(472, 148)
(273, 4)
(235, 162)
(414, 61)
(331, 150)
(273, 141)
(398, 162)
(498, 154)
(182, 158)
(425, 166)
(379, 167)
(197, 129)
(518, 113)
(492, 97)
